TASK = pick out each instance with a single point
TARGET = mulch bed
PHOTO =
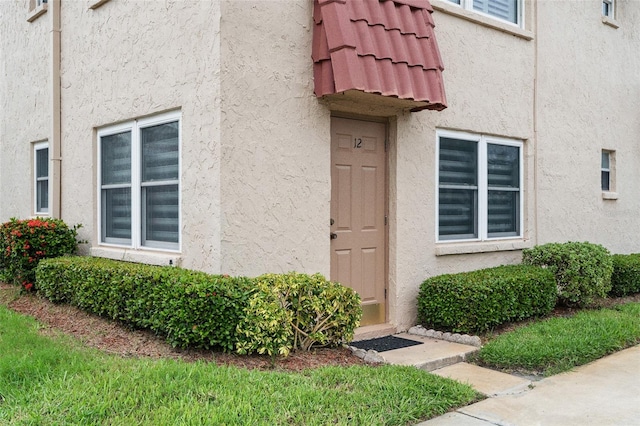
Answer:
(115, 338)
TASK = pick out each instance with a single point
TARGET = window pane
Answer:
(504, 213)
(161, 213)
(116, 214)
(42, 196)
(503, 166)
(160, 152)
(605, 160)
(503, 9)
(604, 177)
(42, 163)
(115, 155)
(458, 162)
(457, 214)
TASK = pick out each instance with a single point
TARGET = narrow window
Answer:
(479, 187)
(608, 8)
(606, 171)
(41, 178)
(139, 183)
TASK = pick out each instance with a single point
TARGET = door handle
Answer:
(333, 235)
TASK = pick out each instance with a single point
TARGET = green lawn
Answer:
(558, 344)
(56, 381)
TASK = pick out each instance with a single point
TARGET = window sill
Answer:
(451, 9)
(606, 195)
(610, 22)
(38, 11)
(136, 256)
(446, 249)
(94, 4)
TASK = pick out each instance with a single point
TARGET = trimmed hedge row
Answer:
(190, 308)
(271, 314)
(625, 279)
(479, 300)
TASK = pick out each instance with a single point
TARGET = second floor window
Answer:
(507, 10)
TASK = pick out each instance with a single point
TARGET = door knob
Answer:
(333, 235)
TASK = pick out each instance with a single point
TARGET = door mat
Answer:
(383, 344)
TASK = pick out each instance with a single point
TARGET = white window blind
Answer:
(479, 187)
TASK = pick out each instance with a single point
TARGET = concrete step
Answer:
(431, 355)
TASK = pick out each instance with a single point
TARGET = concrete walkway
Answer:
(604, 392)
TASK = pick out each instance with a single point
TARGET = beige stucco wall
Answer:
(489, 85)
(588, 97)
(130, 59)
(24, 103)
(276, 185)
(256, 161)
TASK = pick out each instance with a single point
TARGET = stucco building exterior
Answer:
(355, 139)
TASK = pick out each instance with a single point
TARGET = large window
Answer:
(507, 10)
(41, 177)
(479, 187)
(140, 183)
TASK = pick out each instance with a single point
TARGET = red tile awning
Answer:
(383, 47)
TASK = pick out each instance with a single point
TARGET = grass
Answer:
(555, 345)
(54, 380)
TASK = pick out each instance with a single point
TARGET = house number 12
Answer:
(357, 143)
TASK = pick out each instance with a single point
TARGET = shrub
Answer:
(23, 243)
(582, 270)
(477, 301)
(625, 279)
(297, 311)
(190, 308)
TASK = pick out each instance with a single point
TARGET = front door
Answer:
(358, 208)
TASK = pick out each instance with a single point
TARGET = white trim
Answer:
(135, 127)
(482, 185)
(470, 13)
(39, 146)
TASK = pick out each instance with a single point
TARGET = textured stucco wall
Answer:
(24, 103)
(129, 59)
(489, 85)
(275, 142)
(588, 95)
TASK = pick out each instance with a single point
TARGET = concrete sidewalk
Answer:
(605, 392)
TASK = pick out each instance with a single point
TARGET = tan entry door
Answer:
(358, 206)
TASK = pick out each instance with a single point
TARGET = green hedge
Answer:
(582, 270)
(625, 279)
(190, 308)
(271, 314)
(297, 311)
(477, 301)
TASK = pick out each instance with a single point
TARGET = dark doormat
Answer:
(382, 344)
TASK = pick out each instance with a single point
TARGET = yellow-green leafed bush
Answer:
(297, 311)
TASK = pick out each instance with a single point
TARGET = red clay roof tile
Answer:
(384, 47)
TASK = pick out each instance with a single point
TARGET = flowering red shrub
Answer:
(24, 242)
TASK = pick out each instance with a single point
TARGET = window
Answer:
(36, 8)
(140, 183)
(607, 164)
(507, 10)
(608, 8)
(41, 177)
(479, 187)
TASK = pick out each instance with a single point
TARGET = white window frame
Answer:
(137, 209)
(39, 147)
(609, 8)
(468, 5)
(483, 184)
(611, 170)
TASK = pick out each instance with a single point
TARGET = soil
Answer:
(115, 338)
